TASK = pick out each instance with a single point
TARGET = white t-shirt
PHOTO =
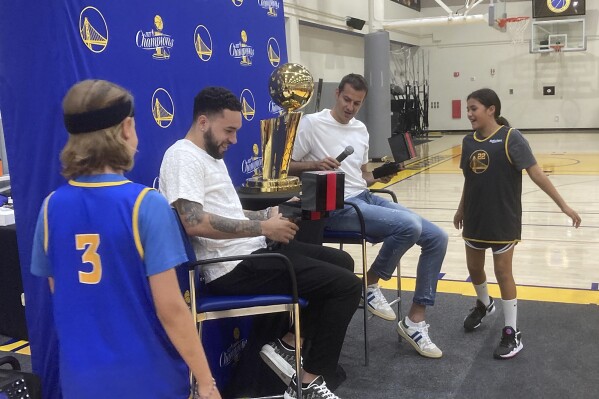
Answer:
(188, 172)
(319, 136)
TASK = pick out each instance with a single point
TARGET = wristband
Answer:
(206, 395)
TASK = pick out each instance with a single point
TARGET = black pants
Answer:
(325, 277)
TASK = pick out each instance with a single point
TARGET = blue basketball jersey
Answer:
(111, 342)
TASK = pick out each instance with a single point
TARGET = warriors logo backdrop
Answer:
(164, 53)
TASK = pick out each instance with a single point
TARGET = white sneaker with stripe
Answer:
(418, 337)
(377, 303)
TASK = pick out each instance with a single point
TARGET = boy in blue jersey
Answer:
(109, 247)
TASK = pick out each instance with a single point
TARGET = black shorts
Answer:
(496, 248)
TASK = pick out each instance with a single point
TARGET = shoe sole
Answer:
(281, 368)
(405, 336)
(511, 354)
(378, 313)
(481, 320)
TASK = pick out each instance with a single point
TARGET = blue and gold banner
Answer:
(164, 53)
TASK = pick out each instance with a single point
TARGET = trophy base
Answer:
(261, 185)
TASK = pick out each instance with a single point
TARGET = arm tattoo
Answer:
(247, 228)
(257, 215)
(191, 212)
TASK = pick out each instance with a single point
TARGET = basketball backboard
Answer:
(560, 35)
(497, 11)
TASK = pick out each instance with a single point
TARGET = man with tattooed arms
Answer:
(195, 180)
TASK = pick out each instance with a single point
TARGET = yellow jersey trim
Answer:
(486, 138)
(98, 184)
(46, 230)
(135, 221)
(507, 153)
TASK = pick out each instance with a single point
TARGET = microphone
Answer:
(347, 152)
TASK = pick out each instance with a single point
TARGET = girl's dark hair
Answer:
(488, 97)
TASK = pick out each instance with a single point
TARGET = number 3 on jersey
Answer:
(89, 243)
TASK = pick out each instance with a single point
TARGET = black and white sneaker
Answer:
(280, 359)
(510, 345)
(477, 314)
(317, 389)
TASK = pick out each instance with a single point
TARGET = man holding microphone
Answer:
(336, 131)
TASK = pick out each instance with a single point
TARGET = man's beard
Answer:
(212, 147)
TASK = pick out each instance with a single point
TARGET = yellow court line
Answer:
(404, 174)
(427, 163)
(10, 347)
(25, 351)
(434, 134)
(569, 163)
(555, 163)
(543, 294)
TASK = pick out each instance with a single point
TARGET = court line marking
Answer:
(14, 346)
(439, 158)
(531, 293)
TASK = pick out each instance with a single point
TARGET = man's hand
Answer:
(385, 179)
(296, 168)
(279, 229)
(329, 163)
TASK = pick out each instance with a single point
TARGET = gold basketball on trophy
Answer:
(291, 86)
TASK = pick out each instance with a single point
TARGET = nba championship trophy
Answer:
(290, 87)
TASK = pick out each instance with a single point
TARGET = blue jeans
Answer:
(398, 228)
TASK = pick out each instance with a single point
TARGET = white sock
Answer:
(510, 312)
(482, 293)
(410, 323)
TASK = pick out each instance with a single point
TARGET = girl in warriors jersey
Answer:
(490, 210)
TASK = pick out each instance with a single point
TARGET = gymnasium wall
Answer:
(476, 49)
(471, 50)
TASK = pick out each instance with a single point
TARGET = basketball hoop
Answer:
(557, 48)
(515, 27)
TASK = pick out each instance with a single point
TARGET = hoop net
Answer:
(515, 27)
(557, 48)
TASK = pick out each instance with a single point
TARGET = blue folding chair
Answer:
(209, 307)
(361, 238)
